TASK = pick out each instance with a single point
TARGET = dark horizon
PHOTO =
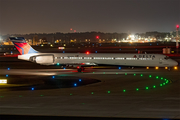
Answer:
(120, 16)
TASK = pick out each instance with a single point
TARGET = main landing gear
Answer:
(80, 69)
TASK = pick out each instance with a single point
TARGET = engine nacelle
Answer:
(43, 59)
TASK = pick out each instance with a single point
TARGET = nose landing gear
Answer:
(80, 69)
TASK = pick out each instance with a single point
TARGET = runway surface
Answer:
(130, 93)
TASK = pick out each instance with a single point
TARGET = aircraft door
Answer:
(160, 61)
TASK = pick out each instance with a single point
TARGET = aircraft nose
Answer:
(174, 63)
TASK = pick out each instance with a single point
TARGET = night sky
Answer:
(48, 16)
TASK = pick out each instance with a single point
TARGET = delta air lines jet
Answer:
(90, 59)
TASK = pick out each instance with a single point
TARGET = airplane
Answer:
(90, 59)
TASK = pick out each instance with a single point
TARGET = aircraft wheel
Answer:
(79, 70)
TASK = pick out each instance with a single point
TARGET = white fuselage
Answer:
(150, 60)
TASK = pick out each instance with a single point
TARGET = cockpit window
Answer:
(166, 58)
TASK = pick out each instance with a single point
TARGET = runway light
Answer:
(7, 75)
(147, 67)
(119, 68)
(109, 91)
(4, 81)
(137, 89)
(156, 68)
(166, 68)
(150, 76)
(154, 86)
(175, 67)
(8, 68)
(79, 80)
(75, 84)
(32, 88)
(124, 90)
(147, 88)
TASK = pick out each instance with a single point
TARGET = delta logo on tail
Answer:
(22, 46)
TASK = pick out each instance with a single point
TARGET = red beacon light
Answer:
(87, 52)
(97, 37)
(177, 26)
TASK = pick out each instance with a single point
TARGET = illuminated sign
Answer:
(3, 81)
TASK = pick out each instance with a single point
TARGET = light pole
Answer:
(177, 37)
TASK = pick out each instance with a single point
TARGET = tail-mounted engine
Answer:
(43, 59)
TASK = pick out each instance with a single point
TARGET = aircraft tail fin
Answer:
(22, 46)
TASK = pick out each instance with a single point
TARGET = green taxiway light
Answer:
(116, 73)
(137, 89)
(20, 96)
(41, 95)
(161, 78)
(92, 93)
(165, 79)
(164, 83)
(2, 96)
(160, 84)
(147, 88)
(124, 90)
(157, 77)
(150, 76)
(103, 72)
(154, 86)
(141, 75)
(70, 93)
(93, 72)
(134, 74)
(109, 91)
(125, 73)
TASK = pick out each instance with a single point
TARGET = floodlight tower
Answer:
(177, 37)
